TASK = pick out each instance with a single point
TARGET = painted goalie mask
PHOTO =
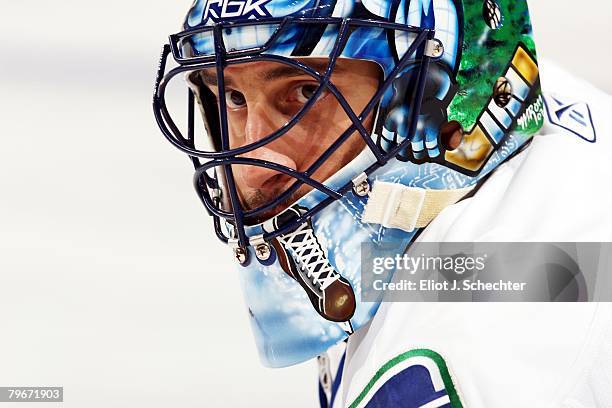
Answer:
(458, 94)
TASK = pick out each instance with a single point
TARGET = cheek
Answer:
(320, 136)
(359, 100)
(321, 127)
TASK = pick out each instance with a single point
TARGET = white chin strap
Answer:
(397, 206)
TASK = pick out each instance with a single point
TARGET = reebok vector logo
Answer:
(574, 117)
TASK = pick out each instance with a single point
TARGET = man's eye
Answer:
(235, 99)
(305, 92)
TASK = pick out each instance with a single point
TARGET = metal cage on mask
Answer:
(424, 48)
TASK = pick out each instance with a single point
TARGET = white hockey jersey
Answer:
(506, 355)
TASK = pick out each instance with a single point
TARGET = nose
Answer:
(259, 124)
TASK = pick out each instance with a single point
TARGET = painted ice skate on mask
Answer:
(302, 257)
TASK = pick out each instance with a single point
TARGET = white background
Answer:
(111, 283)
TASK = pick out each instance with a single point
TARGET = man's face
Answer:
(264, 96)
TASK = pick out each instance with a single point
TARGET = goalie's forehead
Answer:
(208, 12)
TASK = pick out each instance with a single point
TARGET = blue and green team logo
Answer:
(417, 378)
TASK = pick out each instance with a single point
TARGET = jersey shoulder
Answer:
(556, 189)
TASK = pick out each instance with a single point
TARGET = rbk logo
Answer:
(235, 9)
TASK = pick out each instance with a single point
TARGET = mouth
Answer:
(271, 190)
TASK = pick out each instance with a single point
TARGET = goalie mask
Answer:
(454, 93)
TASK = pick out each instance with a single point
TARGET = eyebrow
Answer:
(285, 71)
